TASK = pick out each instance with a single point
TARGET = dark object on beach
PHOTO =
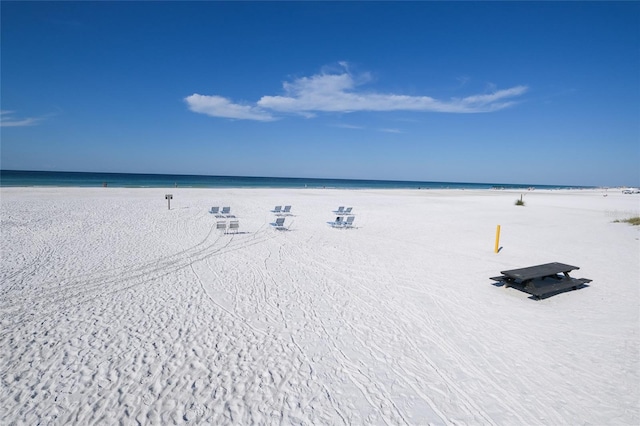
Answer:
(542, 280)
(520, 202)
(168, 197)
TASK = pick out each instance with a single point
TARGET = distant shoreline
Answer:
(27, 178)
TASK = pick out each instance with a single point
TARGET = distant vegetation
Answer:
(632, 220)
(520, 202)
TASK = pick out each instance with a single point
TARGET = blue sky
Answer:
(498, 92)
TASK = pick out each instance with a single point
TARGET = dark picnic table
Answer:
(542, 279)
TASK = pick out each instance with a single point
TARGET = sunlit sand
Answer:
(115, 308)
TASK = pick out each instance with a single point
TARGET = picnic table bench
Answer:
(542, 279)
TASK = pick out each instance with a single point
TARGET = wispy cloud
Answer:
(349, 126)
(340, 92)
(217, 106)
(7, 120)
(354, 127)
(463, 80)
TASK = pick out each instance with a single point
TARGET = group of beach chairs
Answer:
(224, 213)
(280, 212)
(344, 218)
(222, 225)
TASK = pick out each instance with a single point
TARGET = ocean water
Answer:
(13, 178)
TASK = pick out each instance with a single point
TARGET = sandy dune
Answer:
(115, 309)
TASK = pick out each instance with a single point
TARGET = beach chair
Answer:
(340, 210)
(226, 211)
(216, 211)
(278, 209)
(221, 225)
(337, 223)
(286, 210)
(234, 225)
(279, 223)
(349, 222)
(347, 210)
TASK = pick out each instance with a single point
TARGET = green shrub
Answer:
(632, 220)
(520, 202)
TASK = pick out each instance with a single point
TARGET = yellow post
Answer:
(497, 239)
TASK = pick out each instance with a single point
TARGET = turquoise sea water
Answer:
(12, 178)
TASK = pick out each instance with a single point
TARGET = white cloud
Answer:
(339, 91)
(7, 121)
(217, 106)
(493, 101)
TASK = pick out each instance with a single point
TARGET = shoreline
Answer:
(87, 179)
(546, 188)
(240, 188)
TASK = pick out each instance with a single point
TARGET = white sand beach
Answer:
(115, 309)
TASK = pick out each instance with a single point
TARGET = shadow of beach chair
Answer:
(279, 224)
(234, 225)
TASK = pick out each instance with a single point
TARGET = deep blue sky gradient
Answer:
(105, 87)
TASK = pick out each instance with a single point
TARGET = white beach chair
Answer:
(234, 225)
(221, 225)
(347, 210)
(216, 211)
(349, 222)
(338, 222)
(286, 210)
(226, 211)
(340, 210)
(279, 223)
(278, 209)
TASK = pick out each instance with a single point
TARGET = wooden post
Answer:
(497, 248)
(168, 198)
